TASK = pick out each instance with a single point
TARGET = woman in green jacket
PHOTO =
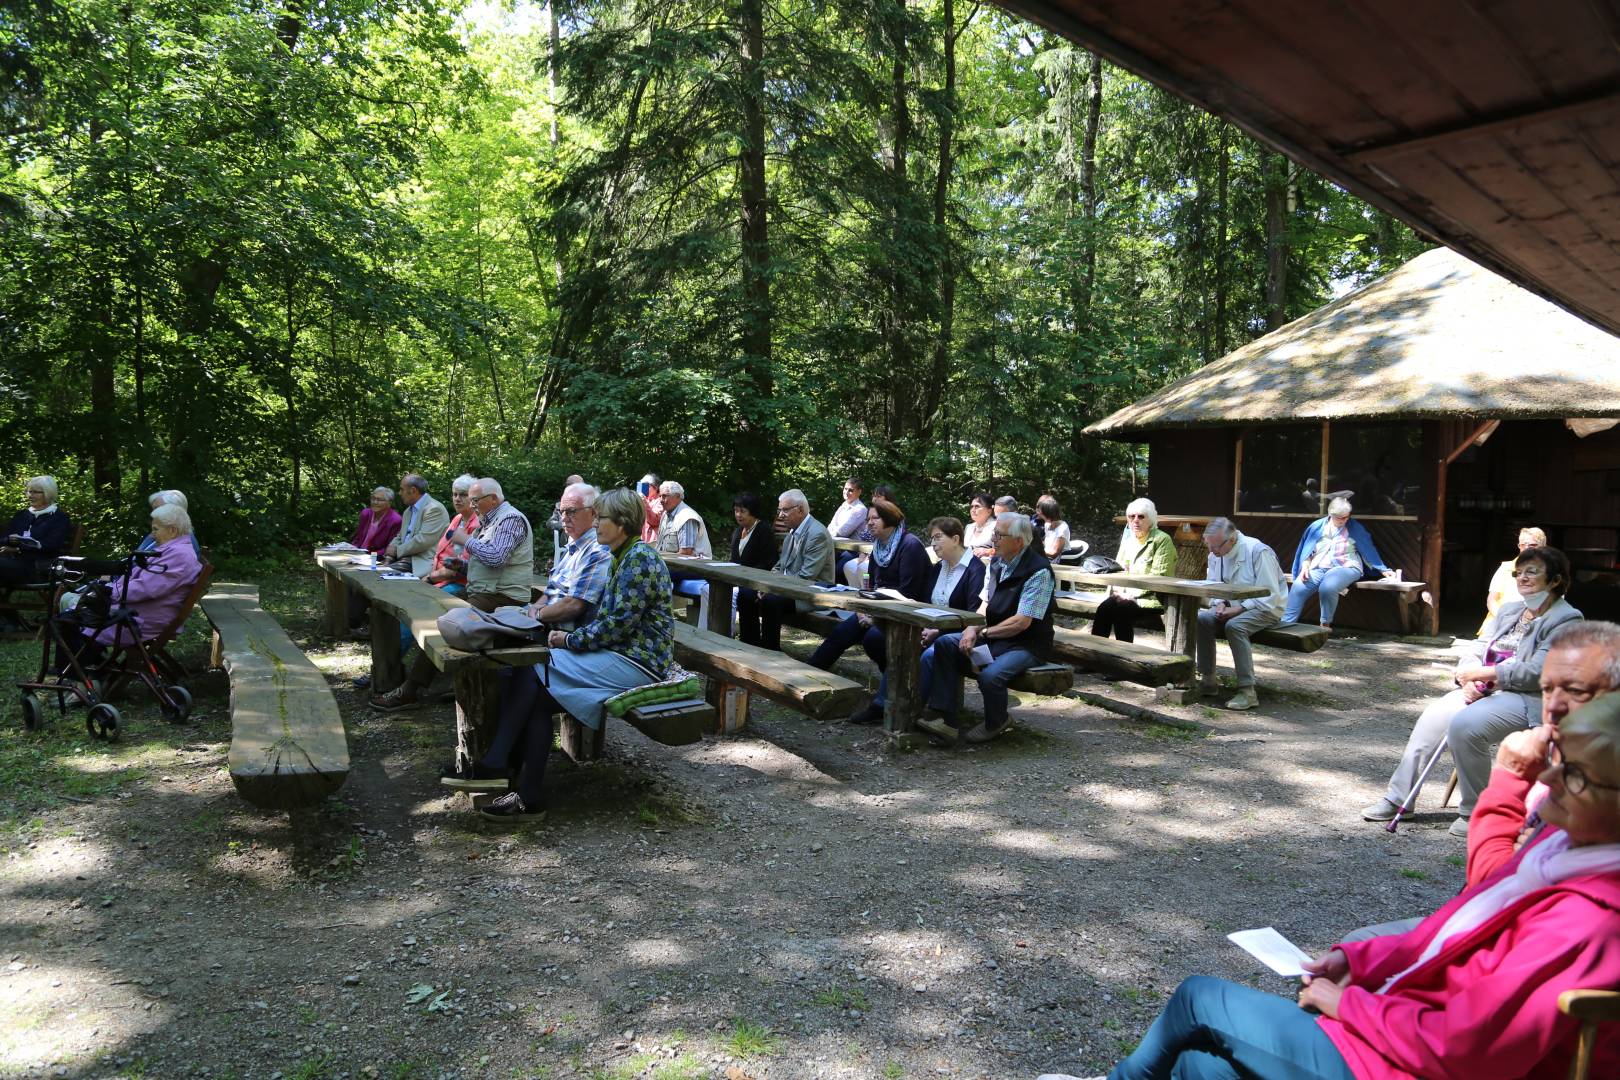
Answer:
(1143, 549)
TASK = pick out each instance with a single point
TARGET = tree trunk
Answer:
(934, 390)
(756, 452)
(1223, 190)
(1088, 181)
(902, 380)
(1280, 196)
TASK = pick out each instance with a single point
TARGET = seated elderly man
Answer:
(425, 521)
(1235, 559)
(500, 573)
(681, 531)
(806, 553)
(574, 586)
(1017, 605)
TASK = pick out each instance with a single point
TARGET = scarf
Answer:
(883, 551)
(51, 509)
(1546, 864)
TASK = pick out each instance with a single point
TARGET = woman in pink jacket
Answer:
(1472, 992)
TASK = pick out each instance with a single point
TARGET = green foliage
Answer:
(275, 261)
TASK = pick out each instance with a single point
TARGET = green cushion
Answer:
(677, 689)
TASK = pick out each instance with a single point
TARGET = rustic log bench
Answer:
(1295, 637)
(729, 663)
(1123, 659)
(1046, 679)
(288, 747)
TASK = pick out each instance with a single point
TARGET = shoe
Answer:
(1382, 810)
(872, 714)
(1459, 828)
(362, 682)
(939, 727)
(510, 810)
(984, 733)
(1243, 699)
(475, 778)
(360, 633)
(1210, 687)
(402, 697)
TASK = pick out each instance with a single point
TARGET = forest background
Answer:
(274, 254)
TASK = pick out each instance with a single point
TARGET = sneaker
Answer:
(475, 777)
(939, 727)
(872, 714)
(1382, 810)
(360, 633)
(1243, 699)
(362, 682)
(1459, 828)
(401, 697)
(510, 810)
(983, 732)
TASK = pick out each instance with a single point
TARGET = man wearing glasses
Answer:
(574, 586)
(1235, 559)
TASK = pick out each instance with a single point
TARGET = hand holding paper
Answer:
(1271, 949)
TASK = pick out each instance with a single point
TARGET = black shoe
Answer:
(475, 777)
(509, 809)
(872, 714)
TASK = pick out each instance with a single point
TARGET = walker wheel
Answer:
(181, 709)
(102, 722)
(33, 713)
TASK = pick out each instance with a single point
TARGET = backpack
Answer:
(472, 630)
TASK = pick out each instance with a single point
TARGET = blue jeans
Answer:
(1212, 1029)
(849, 631)
(1326, 583)
(943, 663)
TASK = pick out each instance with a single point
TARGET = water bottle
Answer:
(374, 560)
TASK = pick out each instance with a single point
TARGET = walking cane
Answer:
(1408, 803)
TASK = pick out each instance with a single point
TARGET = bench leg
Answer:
(387, 669)
(903, 642)
(478, 708)
(1181, 630)
(719, 608)
(337, 607)
(580, 742)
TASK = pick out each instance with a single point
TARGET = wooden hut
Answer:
(1452, 407)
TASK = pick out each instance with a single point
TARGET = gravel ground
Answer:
(795, 902)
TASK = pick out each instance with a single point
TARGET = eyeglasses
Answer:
(1575, 778)
(481, 498)
(1530, 571)
(570, 511)
(1135, 517)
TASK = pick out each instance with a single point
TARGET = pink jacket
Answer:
(157, 590)
(1486, 1005)
(376, 538)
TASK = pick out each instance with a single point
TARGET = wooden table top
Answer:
(1164, 586)
(906, 611)
(418, 605)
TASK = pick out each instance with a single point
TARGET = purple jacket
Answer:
(157, 590)
(387, 529)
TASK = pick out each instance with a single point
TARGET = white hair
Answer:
(1339, 507)
(383, 490)
(1592, 634)
(671, 487)
(586, 492)
(463, 483)
(491, 486)
(47, 484)
(1220, 527)
(1018, 526)
(167, 497)
(794, 497)
(1144, 506)
(174, 517)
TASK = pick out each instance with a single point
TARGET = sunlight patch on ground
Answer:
(768, 759)
(1050, 845)
(58, 862)
(657, 952)
(49, 1012)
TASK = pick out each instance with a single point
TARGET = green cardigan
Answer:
(1156, 556)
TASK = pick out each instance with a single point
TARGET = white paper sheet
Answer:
(720, 562)
(935, 612)
(981, 657)
(395, 575)
(1271, 949)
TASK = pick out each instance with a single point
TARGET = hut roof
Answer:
(1441, 337)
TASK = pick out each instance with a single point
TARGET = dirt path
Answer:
(798, 902)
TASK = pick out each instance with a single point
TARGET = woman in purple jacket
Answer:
(379, 523)
(155, 589)
(899, 562)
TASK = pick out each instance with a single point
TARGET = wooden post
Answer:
(478, 706)
(216, 652)
(580, 742)
(903, 643)
(387, 670)
(1181, 626)
(337, 606)
(719, 608)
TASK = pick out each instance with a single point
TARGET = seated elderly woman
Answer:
(1144, 548)
(1498, 688)
(155, 589)
(899, 562)
(1502, 587)
(1333, 555)
(449, 570)
(979, 535)
(40, 522)
(379, 523)
(1472, 991)
(168, 497)
(630, 643)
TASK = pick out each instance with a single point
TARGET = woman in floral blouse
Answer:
(630, 643)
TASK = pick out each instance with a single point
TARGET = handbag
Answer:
(1101, 564)
(471, 630)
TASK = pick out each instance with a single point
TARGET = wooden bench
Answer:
(777, 676)
(1295, 637)
(288, 747)
(1085, 604)
(1127, 660)
(1048, 679)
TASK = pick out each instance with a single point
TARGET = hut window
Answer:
(1280, 471)
(1293, 471)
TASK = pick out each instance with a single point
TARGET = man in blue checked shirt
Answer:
(575, 584)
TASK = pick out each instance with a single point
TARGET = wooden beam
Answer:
(1476, 127)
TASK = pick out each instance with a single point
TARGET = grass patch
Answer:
(893, 1071)
(1415, 875)
(1456, 860)
(837, 997)
(749, 1039)
(685, 1067)
(1153, 729)
(661, 810)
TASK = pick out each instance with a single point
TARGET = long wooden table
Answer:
(903, 622)
(416, 605)
(1182, 598)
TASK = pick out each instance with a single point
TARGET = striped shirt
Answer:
(493, 546)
